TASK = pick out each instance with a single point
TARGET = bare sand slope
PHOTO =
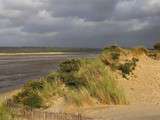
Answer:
(143, 93)
(144, 86)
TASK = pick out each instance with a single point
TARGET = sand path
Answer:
(131, 112)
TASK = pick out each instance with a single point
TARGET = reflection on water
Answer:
(17, 70)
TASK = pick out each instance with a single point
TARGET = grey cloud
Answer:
(94, 10)
(137, 9)
(79, 23)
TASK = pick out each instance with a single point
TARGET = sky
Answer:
(79, 23)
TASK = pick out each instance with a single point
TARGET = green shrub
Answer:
(33, 101)
(157, 46)
(67, 73)
(90, 74)
(28, 98)
(29, 94)
(111, 48)
(70, 65)
(36, 96)
(111, 55)
(128, 67)
(53, 76)
(71, 80)
(34, 85)
(115, 56)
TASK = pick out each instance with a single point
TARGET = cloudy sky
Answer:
(79, 23)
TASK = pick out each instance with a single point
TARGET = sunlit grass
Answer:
(77, 81)
(101, 83)
(5, 112)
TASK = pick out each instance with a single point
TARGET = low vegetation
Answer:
(82, 81)
(157, 46)
(5, 112)
(77, 81)
(36, 94)
(100, 83)
(128, 67)
(124, 60)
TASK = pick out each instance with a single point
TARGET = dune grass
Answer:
(5, 112)
(77, 81)
(80, 82)
(93, 80)
(100, 83)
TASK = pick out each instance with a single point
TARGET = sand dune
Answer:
(143, 87)
(143, 93)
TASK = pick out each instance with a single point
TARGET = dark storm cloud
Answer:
(137, 9)
(79, 23)
(87, 9)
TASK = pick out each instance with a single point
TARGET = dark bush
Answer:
(134, 61)
(67, 73)
(74, 83)
(33, 101)
(111, 48)
(154, 55)
(71, 80)
(157, 46)
(53, 76)
(115, 56)
(29, 98)
(114, 46)
(29, 95)
(34, 85)
(70, 65)
(128, 67)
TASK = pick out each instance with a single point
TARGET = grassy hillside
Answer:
(78, 82)
(81, 82)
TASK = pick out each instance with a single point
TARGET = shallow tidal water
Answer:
(17, 70)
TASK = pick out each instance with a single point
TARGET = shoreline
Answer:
(8, 94)
(44, 53)
(19, 65)
(36, 53)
